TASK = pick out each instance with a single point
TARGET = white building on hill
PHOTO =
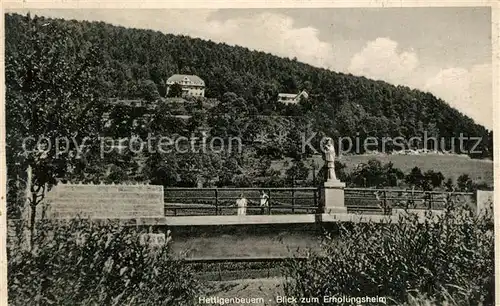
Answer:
(191, 85)
(292, 98)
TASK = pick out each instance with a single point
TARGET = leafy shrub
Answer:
(464, 182)
(84, 263)
(242, 181)
(448, 257)
(415, 177)
(374, 174)
(298, 171)
(272, 182)
(433, 179)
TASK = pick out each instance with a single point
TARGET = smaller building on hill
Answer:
(127, 102)
(288, 98)
(188, 85)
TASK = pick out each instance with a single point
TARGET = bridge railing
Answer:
(222, 201)
(387, 199)
(302, 200)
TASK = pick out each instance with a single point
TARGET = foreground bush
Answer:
(445, 258)
(80, 263)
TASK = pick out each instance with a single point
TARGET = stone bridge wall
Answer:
(103, 201)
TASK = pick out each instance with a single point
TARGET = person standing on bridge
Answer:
(242, 205)
(264, 202)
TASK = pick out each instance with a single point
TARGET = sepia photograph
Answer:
(293, 155)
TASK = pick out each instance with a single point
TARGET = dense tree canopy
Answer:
(343, 104)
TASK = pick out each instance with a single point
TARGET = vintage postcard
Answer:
(249, 153)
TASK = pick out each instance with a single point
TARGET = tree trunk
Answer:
(29, 212)
(32, 224)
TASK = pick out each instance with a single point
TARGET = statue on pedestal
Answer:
(329, 157)
(332, 192)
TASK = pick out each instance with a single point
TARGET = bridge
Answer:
(217, 206)
(156, 205)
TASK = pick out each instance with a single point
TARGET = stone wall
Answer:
(103, 201)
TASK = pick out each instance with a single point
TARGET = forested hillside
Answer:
(342, 104)
(60, 73)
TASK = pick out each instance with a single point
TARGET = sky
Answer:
(446, 51)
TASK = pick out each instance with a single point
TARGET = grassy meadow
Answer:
(452, 166)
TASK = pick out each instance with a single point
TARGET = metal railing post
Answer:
(216, 202)
(385, 203)
(412, 201)
(269, 202)
(315, 195)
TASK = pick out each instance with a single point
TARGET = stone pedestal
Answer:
(332, 196)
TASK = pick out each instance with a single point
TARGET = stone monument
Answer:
(332, 193)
